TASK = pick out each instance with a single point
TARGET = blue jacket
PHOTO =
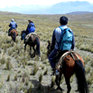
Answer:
(13, 25)
(30, 28)
(57, 35)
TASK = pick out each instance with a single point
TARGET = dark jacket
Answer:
(30, 28)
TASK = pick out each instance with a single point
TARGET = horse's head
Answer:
(23, 35)
(49, 48)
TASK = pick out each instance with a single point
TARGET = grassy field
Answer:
(21, 74)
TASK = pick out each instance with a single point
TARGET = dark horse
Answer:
(68, 64)
(33, 41)
(13, 34)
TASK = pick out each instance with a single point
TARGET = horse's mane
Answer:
(24, 31)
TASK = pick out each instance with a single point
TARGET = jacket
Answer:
(13, 25)
(30, 28)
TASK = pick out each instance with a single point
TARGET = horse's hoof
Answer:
(39, 58)
(32, 55)
(77, 90)
(53, 73)
(59, 88)
(51, 86)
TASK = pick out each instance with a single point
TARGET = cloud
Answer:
(18, 3)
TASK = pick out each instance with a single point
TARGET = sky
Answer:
(18, 3)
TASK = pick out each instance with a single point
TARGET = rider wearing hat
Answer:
(30, 27)
(12, 25)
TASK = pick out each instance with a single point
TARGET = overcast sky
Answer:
(9, 3)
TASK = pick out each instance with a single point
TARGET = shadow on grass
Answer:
(39, 88)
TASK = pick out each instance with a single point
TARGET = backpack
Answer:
(65, 39)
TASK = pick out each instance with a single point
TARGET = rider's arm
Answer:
(53, 39)
(27, 29)
(10, 25)
(16, 25)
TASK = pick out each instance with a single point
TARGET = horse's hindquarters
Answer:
(14, 34)
(70, 60)
(69, 65)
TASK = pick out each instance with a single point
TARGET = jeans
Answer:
(52, 57)
(55, 56)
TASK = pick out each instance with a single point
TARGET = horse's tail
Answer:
(81, 79)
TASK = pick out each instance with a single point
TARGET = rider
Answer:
(12, 25)
(56, 38)
(31, 30)
(30, 27)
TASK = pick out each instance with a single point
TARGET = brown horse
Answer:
(13, 34)
(33, 41)
(68, 64)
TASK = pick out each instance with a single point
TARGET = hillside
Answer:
(9, 13)
(67, 7)
(79, 13)
(19, 73)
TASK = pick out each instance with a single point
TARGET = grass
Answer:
(25, 71)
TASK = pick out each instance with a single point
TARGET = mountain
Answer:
(79, 13)
(60, 8)
(9, 13)
(67, 7)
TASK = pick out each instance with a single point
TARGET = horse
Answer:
(68, 64)
(13, 34)
(33, 41)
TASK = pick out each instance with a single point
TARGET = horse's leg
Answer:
(32, 54)
(58, 79)
(25, 46)
(34, 51)
(30, 51)
(14, 36)
(67, 79)
(38, 46)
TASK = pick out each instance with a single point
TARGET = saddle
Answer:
(33, 36)
(68, 57)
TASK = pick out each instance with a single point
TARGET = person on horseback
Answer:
(12, 25)
(30, 27)
(59, 46)
(30, 30)
(31, 38)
